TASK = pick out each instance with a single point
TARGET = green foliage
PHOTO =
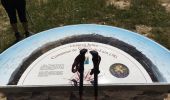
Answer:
(162, 36)
(144, 12)
(55, 13)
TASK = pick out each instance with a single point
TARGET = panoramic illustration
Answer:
(125, 57)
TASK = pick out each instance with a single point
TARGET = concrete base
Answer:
(88, 95)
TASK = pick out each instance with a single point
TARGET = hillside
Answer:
(148, 17)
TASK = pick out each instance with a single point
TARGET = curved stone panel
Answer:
(46, 58)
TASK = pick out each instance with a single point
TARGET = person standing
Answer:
(96, 61)
(78, 65)
(14, 7)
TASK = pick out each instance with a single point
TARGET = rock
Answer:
(167, 97)
(143, 29)
(119, 4)
(2, 96)
(166, 4)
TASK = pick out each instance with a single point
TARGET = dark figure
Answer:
(16, 6)
(96, 61)
(78, 65)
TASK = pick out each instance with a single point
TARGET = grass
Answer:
(47, 14)
(145, 12)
